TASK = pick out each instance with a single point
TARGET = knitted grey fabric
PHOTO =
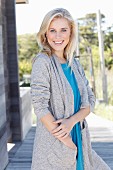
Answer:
(51, 92)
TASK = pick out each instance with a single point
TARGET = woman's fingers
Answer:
(61, 135)
(56, 130)
(65, 136)
(58, 121)
(59, 132)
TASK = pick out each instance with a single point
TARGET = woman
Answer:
(62, 99)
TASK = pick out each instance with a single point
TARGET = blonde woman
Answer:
(62, 99)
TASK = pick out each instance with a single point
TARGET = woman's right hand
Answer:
(72, 146)
(69, 143)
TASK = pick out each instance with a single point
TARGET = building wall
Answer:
(15, 110)
(26, 110)
(10, 68)
(10, 124)
(6, 72)
(3, 122)
(13, 92)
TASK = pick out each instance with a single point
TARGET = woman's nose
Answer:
(58, 34)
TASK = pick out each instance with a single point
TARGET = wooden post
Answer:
(102, 62)
(13, 78)
(89, 50)
(3, 108)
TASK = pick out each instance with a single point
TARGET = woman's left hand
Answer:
(63, 130)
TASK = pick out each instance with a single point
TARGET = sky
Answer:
(29, 16)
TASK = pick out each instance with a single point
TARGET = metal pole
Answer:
(102, 62)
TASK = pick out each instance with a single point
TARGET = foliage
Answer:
(109, 62)
(96, 57)
(25, 67)
(88, 29)
(27, 50)
(88, 37)
(27, 46)
(108, 39)
(106, 111)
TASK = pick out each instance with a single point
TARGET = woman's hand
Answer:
(63, 130)
(70, 144)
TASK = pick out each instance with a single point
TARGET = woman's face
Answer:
(58, 35)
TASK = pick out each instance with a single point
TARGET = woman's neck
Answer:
(61, 58)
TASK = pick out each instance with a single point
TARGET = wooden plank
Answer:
(22, 1)
(20, 156)
(101, 132)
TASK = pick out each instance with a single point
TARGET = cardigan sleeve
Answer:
(40, 86)
(91, 96)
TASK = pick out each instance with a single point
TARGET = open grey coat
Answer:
(51, 92)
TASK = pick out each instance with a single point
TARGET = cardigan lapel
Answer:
(81, 85)
(64, 86)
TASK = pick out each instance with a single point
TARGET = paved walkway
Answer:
(101, 131)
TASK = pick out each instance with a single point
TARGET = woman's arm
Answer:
(80, 115)
(47, 120)
(68, 123)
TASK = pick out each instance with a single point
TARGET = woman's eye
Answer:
(52, 30)
(64, 30)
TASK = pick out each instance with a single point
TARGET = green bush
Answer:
(25, 67)
(109, 62)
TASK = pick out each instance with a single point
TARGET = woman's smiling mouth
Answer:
(58, 42)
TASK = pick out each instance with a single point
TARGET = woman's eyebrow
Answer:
(65, 28)
(61, 28)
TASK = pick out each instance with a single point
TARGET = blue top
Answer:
(76, 131)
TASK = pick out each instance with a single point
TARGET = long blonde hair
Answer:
(41, 35)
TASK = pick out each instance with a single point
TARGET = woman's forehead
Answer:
(59, 22)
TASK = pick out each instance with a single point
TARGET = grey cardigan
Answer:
(51, 92)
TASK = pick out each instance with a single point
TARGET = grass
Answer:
(103, 110)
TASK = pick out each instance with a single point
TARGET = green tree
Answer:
(89, 37)
(88, 29)
(27, 46)
(108, 39)
(27, 50)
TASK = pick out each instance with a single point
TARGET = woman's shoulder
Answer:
(77, 61)
(79, 66)
(41, 58)
(40, 63)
